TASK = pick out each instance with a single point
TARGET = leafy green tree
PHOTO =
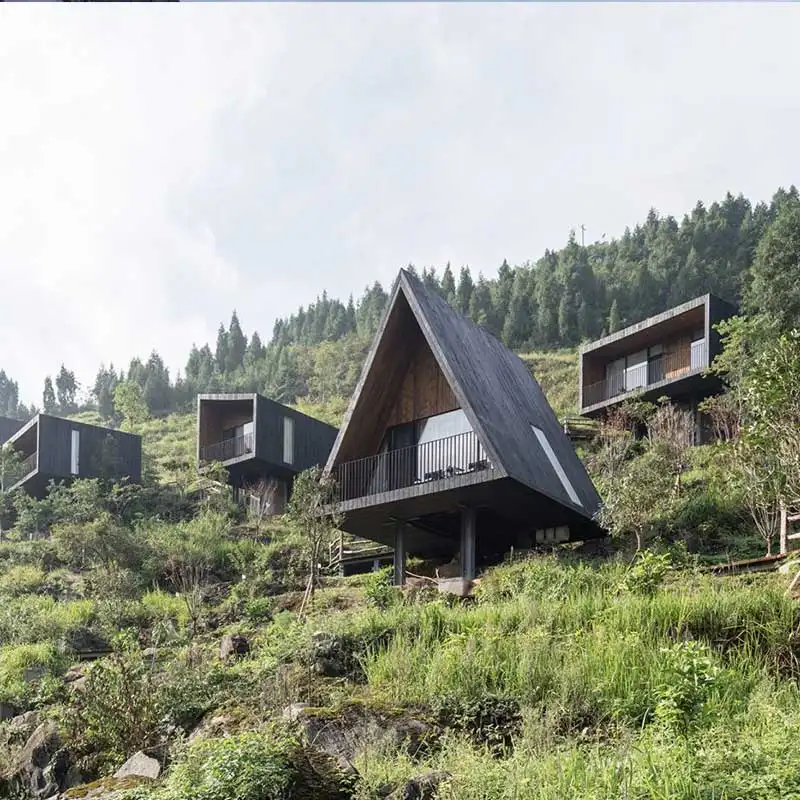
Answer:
(312, 512)
(103, 391)
(49, 404)
(129, 403)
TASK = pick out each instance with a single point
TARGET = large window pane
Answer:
(288, 440)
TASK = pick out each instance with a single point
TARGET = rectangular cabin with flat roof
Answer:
(663, 356)
(262, 444)
(57, 449)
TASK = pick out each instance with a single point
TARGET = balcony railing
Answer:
(666, 367)
(228, 448)
(408, 466)
(16, 472)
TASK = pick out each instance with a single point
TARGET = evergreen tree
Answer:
(481, 309)
(255, 350)
(9, 396)
(464, 291)
(517, 325)
(237, 345)
(48, 396)
(449, 285)
(66, 390)
(221, 352)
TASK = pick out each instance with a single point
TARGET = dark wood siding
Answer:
(313, 439)
(103, 452)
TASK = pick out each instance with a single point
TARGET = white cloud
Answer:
(163, 165)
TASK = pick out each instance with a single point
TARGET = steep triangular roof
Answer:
(495, 389)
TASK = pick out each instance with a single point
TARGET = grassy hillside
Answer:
(563, 678)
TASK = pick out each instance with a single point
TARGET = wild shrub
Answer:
(21, 579)
(119, 711)
(691, 674)
(378, 588)
(15, 660)
(647, 572)
(264, 765)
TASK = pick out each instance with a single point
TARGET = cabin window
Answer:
(288, 440)
(636, 371)
(698, 350)
(556, 465)
(75, 450)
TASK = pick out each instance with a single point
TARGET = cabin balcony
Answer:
(429, 466)
(652, 370)
(227, 449)
(14, 474)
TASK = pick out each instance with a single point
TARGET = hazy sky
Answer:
(162, 165)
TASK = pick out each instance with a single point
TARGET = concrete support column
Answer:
(468, 543)
(400, 554)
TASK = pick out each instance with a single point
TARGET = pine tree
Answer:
(464, 290)
(517, 326)
(48, 396)
(237, 345)
(449, 285)
(66, 390)
(221, 353)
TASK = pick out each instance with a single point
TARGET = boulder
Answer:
(331, 655)
(343, 732)
(105, 789)
(233, 646)
(423, 787)
(139, 765)
(22, 726)
(41, 768)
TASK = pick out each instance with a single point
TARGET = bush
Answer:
(16, 659)
(691, 676)
(21, 579)
(647, 573)
(379, 589)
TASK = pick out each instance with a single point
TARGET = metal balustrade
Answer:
(408, 466)
(228, 448)
(669, 366)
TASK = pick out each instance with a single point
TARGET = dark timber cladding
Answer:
(507, 472)
(59, 449)
(309, 440)
(666, 354)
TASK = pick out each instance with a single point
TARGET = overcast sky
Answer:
(162, 165)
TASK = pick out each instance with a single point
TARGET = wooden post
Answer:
(784, 529)
(400, 554)
(468, 543)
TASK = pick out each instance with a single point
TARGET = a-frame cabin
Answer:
(449, 446)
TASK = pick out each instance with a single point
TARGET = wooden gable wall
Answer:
(424, 390)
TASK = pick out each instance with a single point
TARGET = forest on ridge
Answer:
(566, 296)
